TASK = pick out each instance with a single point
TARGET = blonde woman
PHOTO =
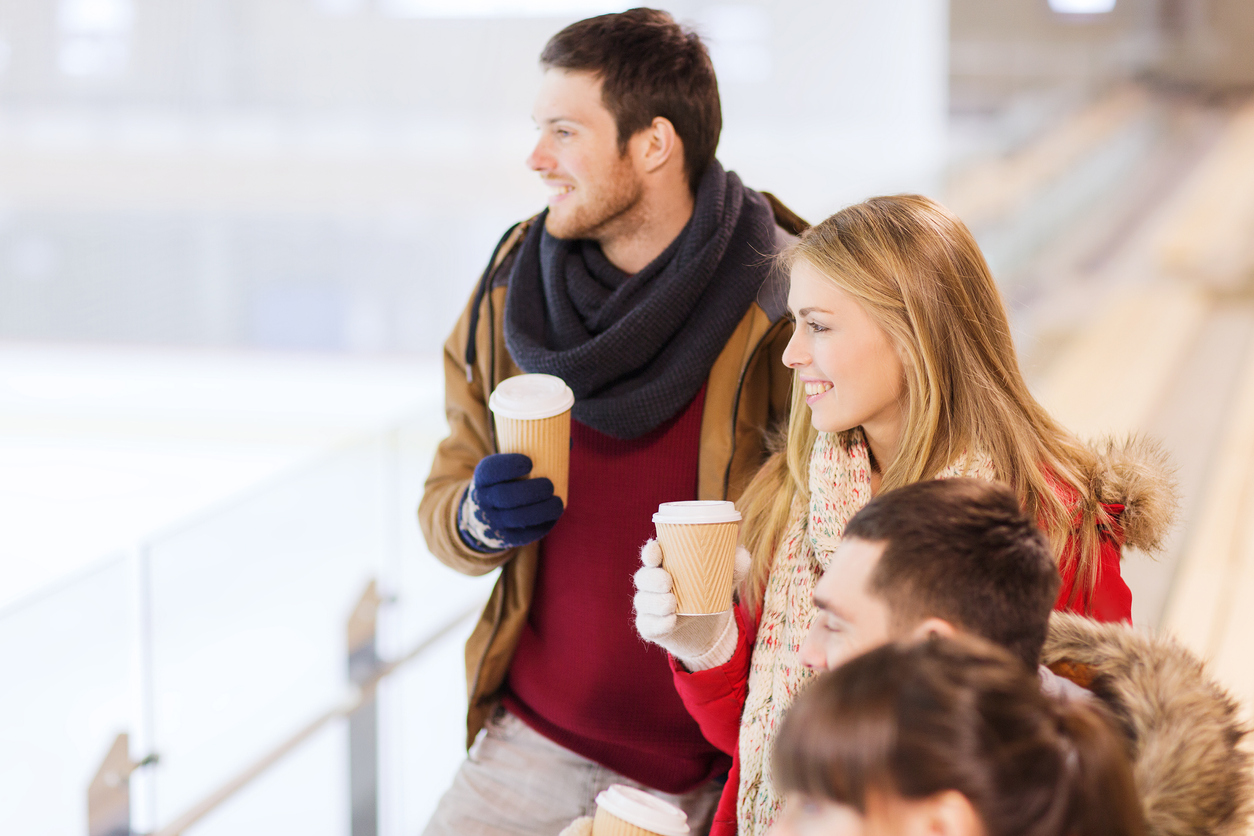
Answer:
(905, 370)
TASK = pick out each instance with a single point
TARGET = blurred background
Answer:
(235, 233)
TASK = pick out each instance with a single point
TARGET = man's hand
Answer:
(502, 508)
(699, 642)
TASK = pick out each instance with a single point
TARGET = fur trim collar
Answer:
(1137, 473)
(1184, 731)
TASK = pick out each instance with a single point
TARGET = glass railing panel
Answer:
(423, 705)
(65, 658)
(305, 793)
(431, 697)
(249, 613)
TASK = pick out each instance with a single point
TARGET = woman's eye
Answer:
(815, 328)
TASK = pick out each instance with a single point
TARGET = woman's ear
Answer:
(949, 813)
(946, 813)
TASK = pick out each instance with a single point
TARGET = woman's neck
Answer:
(882, 438)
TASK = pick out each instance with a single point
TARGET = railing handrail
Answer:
(352, 700)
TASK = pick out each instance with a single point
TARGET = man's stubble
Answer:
(610, 211)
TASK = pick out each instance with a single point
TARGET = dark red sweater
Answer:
(580, 675)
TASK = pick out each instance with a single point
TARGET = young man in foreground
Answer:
(639, 286)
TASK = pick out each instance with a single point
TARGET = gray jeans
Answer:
(517, 782)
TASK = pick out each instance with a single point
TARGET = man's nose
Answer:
(811, 654)
(539, 159)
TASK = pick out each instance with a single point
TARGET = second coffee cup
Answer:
(532, 415)
(627, 811)
(698, 540)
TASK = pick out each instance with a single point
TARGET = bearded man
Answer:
(641, 286)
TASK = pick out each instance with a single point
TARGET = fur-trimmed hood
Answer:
(1183, 729)
(1137, 473)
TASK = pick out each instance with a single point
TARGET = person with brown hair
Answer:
(950, 736)
(639, 287)
(940, 557)
(904, 370)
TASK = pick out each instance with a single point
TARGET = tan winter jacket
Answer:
(1184, 732)
(746, 394)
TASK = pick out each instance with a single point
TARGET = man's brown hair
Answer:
(649, 66)
(959, 714)
(962, 550)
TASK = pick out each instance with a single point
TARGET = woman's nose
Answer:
(795, 355)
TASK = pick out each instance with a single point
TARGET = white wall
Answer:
(350, 168)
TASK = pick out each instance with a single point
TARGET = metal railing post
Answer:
(109, 793)
(143, 692)
(363, 721)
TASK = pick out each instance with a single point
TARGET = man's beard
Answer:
(601, 214)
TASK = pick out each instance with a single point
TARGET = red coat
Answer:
(716, 697)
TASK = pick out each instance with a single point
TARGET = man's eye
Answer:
(810, 808)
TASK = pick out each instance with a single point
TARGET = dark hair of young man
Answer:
(962, 550)
(649, 66)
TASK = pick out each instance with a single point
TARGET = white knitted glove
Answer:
(579, 827)
(699, 642)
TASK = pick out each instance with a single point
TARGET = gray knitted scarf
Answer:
(635, 349)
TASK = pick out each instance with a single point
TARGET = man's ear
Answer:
(932, 627)
(658, 144)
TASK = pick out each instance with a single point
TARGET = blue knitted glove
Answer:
(503, 509)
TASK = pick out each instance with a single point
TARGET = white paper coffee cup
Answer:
(627, 811)
(698, 541)
(532, 415)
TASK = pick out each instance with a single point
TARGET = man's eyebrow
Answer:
(552, 119)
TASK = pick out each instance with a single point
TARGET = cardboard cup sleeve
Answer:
(545, 440)
(698, 542)
(628, 811)
(532, 416)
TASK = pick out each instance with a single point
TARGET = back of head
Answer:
(964, 551)
(916, 720)
(649, 66)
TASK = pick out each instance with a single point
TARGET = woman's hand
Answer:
(699, 642)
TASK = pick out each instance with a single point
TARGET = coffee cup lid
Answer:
(531, 396)
(643, 810)
(696, 512)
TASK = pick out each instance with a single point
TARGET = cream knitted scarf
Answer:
(840, 484)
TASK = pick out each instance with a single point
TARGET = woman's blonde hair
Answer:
(917, 271)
